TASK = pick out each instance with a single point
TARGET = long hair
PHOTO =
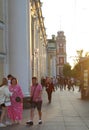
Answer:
(4, 82)
(14, 79)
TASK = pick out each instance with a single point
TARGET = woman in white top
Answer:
(4, 100)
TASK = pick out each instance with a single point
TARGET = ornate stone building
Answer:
(56, 54)
(60, 52)
(22, 41)
(39, 41)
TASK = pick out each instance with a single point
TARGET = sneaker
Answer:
(2, 125)
(8, 123)
(40, 122)
(29, 122)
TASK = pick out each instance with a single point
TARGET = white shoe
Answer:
(40, 122)
(2, 125)
(8, 123)
(29, 122)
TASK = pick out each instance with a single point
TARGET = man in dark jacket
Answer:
(49, 89)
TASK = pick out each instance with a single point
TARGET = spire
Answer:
(60, 23)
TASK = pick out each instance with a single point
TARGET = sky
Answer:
(72, 17)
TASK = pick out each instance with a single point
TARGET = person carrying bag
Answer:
(36, 101)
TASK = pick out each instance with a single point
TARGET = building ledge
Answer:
(1, 25)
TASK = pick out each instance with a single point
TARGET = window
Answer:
(60, 70)
(61, 50)
(61, 60)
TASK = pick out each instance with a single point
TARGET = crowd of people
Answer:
(11, 97)
(51, 84)
(60, 82)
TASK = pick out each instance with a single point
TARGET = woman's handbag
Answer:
(18, 99)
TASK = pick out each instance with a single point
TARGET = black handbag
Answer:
(18, 99)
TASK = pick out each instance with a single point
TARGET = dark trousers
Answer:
(49, 96)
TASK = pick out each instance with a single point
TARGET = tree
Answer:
(76, 71)
(67, 70)
(87, 54)
(79, 55)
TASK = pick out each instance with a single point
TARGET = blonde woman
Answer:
(4, 101)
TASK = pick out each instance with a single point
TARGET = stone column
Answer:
(19, 42)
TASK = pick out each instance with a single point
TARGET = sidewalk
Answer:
(66, 112)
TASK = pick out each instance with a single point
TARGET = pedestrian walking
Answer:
(49, 89)
(4, 102)
(16, 109)
(36, 96)
(54, 79)
(43, 82)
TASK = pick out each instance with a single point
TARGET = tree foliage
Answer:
(76, 71)
(67, 70)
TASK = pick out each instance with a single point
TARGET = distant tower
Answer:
(60, 52)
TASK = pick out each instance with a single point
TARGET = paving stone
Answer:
(66, 112)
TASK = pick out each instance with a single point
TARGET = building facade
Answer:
(51, 57)
(22, 41)
(39, 41)
(60, 52)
